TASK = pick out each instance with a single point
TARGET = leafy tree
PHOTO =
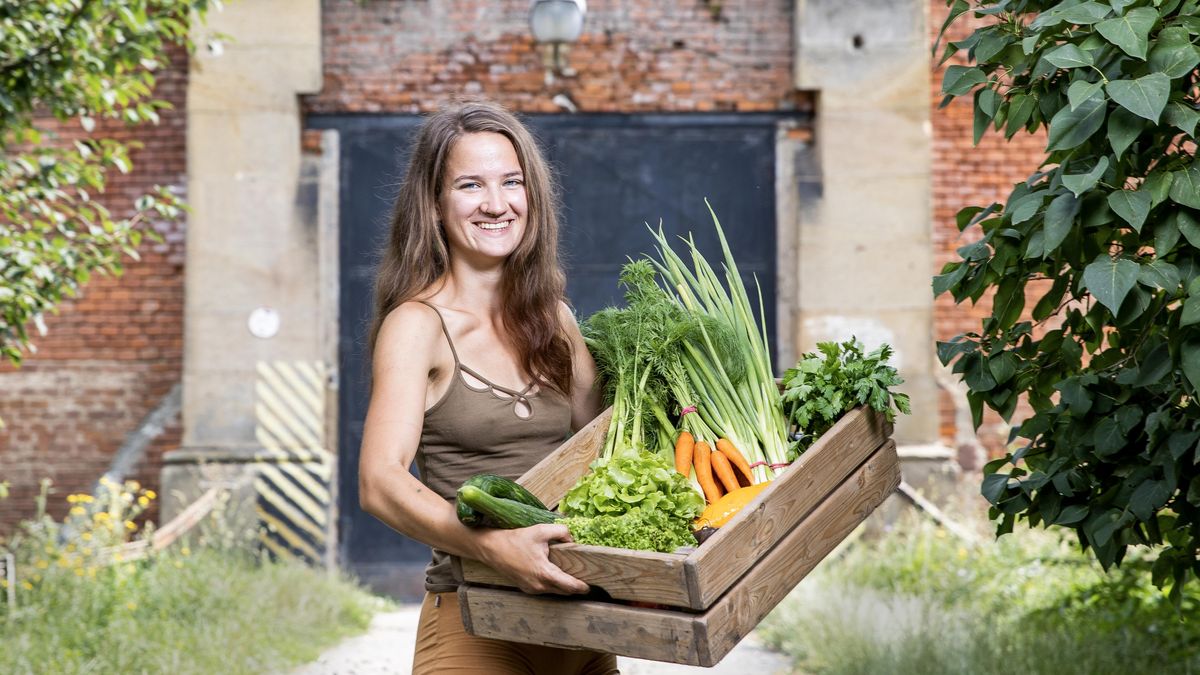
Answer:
(68, 60)
(1108, 357)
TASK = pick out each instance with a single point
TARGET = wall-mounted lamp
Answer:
(555, 25)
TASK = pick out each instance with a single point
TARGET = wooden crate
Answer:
(718, 592)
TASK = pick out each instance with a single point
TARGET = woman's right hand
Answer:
(523, 555)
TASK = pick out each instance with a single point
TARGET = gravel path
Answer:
(386, 649)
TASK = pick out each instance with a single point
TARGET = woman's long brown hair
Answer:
(417, 255)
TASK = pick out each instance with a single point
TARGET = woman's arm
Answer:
(585, 394)
(406, 354)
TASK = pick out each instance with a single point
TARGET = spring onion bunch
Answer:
(736, 395)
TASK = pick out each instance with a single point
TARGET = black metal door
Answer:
(617, 173)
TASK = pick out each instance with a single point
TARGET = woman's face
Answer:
(482, 205)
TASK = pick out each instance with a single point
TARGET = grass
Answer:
(916, 600)
(218, 608)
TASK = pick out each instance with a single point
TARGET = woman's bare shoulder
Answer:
(412, 329)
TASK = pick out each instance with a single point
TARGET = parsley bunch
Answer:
(827, 383)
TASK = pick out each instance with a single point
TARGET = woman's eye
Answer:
(468, 186)
(514, 182)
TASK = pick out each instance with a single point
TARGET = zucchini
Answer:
(501, 512)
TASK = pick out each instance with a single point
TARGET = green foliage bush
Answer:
(920, 601)
(202, 606)
(1108, 231)
(73, 60)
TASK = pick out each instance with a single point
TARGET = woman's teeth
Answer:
(495, 226)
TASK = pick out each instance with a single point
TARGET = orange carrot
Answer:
(702, 459)
(724, 470)
(735, 456)
(684, 445)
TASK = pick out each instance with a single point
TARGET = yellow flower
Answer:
(26, 585)
(962, 553)
(91, 572)
(86, 499)
(79, 571)
(71, 499)
(185, 550)
(102, 516)
(62, 562)
(143, 500)
(134, 485)
(151, 494)
(131, 605)
(70, 548)
(130, 526)
(78, 510)
(3, 583)
(178, 564)
(86, 536)
(41, 564)
(37, 577)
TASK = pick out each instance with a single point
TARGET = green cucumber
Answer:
(496, 486)
(499, 486)
(501, 512)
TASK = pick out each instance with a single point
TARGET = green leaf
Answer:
(1071, 515)
(956, 10)
(1027, 207)
(1191, 311)
(1003, 366)
(1108, 437)
(1145, 97)
(1070, 56)
(1173, 54)
(946, 281)
(1082, 90)
(1132, 205)
(1069, 128)
(1020, 108)
(1188, 227)
(1080, 183)
(1148, 498)
(1185, 188)
(1109, 280)
(1120, 5)
(1123, 129)
(994, 486)
(1008, 303)
(1085, 14)
(1166, 235)
(1159, 274)
(1130, 32)
(959, 80)
(1190, 361)
(1158, 184)
(1060, 216)
(1182, 116)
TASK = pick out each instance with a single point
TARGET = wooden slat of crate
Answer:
(696, 580)
(726, 556)
(681, 636)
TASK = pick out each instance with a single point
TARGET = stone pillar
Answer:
(253, 243)
(865, 260)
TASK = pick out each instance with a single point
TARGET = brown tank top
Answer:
(483, 428)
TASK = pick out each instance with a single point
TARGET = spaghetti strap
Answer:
(446, 332)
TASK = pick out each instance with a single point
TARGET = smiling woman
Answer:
(478, 366)
(483, 204)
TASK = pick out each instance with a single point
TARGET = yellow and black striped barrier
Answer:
(296, 469)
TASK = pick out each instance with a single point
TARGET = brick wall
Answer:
(964, 175)
(634, 55)
(110, 355)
